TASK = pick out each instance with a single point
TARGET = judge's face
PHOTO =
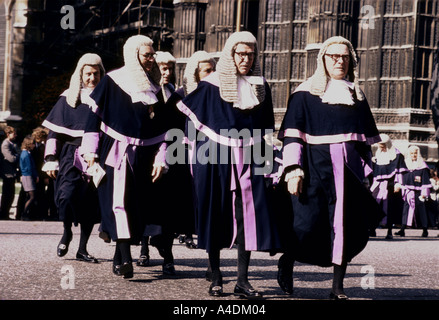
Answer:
(204, 69)
(146, 57)
(414, 155)
(382, 147)
(166, 69)
(336, 60)
(91, 75)
(244, 56)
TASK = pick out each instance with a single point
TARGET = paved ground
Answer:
(400, 269)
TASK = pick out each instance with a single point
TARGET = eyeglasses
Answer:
(149, 56)
(243, 55)
(336, 57)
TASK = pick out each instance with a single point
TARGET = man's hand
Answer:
(156, 173)
(295, 185)
(52, 173)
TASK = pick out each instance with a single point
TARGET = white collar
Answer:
(247, 98)
(125, 81)
(339, 92)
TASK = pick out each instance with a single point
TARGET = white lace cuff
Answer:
(294, 174)
(50, 166)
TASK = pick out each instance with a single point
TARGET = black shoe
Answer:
(216, 291)
(126, 270)
(104, 236)
(181, 238)
(216, 287)
(86, 257)
(63, 248)
(168, 269)
(143, 261)
(190, 244)
(389, 237)
(339, 296)
(248, 293)
(285, 280)
(116, 269)
(400, 233)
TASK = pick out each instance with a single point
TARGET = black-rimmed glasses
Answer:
(336, 57)
(243, 55)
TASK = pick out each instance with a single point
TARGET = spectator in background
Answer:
(44, 189)
(9, 171)
(29, 176)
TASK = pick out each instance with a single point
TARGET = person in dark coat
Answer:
(75, 196)
(327, 132)
(229, 113)
(9, 167)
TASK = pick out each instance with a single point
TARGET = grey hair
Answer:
(226, 68)
(132, 63)
(164, 57)
(320, 78)
(88, 59)
(190, 79)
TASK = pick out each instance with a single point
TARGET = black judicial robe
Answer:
(129, 137)
(385, 176)
(416, 213)
(219, 182)
(75, 197)
(331, 143)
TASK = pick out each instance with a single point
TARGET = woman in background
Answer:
(29, 174)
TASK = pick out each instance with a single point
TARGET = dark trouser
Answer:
(8, 193)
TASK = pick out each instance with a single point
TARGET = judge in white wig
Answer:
(232, 204)
(128, 140)
(388, 168)
(166, 63)
(79, 85)
(198, 66)
(416, 190)
(327, 133)
(75, 198)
